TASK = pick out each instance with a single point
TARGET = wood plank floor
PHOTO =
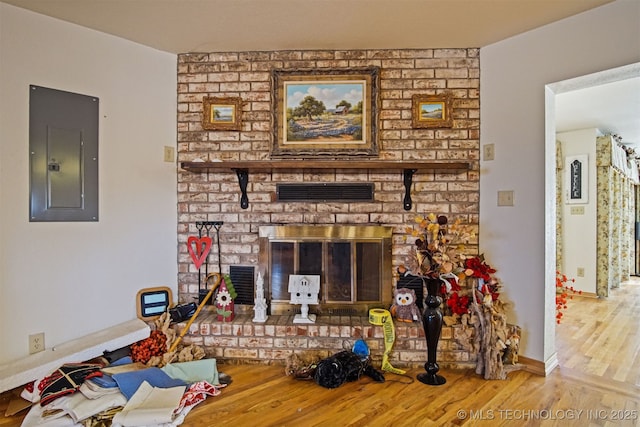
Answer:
(597, 384)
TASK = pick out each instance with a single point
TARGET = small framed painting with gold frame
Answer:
(221, 113)
(432, 111)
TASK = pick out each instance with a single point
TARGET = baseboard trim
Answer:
(583, 295)
(538, 367)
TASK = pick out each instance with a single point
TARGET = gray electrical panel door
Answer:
(63, 147)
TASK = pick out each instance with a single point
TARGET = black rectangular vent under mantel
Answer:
(325, 192)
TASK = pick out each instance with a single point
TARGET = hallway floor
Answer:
(601, 337)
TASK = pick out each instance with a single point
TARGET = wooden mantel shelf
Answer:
(255, 165)
(242, 169)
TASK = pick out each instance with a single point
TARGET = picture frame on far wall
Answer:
(222, 113)
(432, 111)
(577, 179)
(325, 112)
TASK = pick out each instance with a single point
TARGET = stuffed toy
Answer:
(404, 306)
(299, 368)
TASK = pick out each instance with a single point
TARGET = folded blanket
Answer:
(129, 382)
(105, 381)
(79, 407)
(66, 380)
(197, 393)
(150, 406)
(194, 371)
(35, 418)
(93, 390)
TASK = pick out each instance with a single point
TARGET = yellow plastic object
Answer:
(381, 317)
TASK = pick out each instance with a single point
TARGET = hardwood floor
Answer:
(597, 384)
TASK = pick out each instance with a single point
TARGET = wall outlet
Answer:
(505, 198)
(36, 343)
(580, 272)
(169, 153)
(488, 152)
(577, 210)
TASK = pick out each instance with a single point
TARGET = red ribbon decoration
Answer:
(199, 248)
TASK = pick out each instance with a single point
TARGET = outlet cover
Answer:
(580, 271)
(577, 210)
(36, 343)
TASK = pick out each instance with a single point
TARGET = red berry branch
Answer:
(155, 345)
(563, 292)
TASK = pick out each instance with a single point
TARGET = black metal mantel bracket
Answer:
(408, 180)
(243, 180)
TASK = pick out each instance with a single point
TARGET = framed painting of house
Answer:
(325, 113)
(432, 111)
(221, 113)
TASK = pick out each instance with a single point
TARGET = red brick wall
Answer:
(403, 73)
(243, 341)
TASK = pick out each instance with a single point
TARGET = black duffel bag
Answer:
(344, 366)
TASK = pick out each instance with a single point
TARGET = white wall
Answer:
(579, 229)
(520, 241)
(70, 279)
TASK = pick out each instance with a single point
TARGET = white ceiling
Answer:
(182, 26)
(613, 108)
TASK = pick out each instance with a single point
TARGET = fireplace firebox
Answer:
(353, 262)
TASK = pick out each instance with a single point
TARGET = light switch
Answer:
(169, 153)
(505, 198)
(488, 152)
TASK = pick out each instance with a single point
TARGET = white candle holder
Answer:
(260, 306)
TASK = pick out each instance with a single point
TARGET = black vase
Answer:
(432, 323)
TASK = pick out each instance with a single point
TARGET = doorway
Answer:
(631, 71)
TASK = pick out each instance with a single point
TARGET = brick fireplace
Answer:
(214, 195)
(243, 341)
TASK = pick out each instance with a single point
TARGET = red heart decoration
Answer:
(199, 248)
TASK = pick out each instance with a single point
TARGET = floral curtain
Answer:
(616, 210)
(559, 216)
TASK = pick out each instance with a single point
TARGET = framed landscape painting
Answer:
(432, 111)
(221, 113)
(329, 113)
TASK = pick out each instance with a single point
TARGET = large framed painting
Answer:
(325, 113)
(432, 111)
